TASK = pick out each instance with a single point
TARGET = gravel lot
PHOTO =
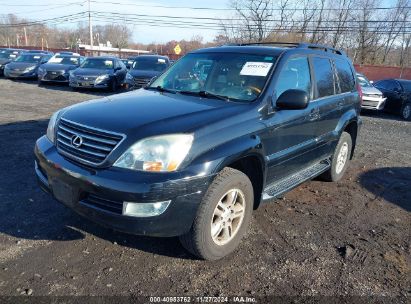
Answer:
(347, 238)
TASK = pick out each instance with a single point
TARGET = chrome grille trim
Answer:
(141, 82)
(96, 147)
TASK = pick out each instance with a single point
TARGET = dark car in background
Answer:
(104, 72)
(145, 67)
(26, 65)
(57, 69)
(398, 94)
(6, 56)
(193, 158)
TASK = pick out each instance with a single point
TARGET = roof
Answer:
(103, 57)
(273, 48)
(151, 56)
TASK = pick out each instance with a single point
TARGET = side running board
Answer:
(286, 184)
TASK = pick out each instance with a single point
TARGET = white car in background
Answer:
(372, 98)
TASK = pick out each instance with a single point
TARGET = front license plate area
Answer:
(64, 192)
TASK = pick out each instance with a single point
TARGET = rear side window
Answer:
(324, 76)
(294, 75)
(345, 75)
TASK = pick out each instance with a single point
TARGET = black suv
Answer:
(398, 94)
(193, 153)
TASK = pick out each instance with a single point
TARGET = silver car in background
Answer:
(372, 98)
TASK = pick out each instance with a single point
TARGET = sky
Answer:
(43, 9)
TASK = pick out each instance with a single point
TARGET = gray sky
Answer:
(43, 9)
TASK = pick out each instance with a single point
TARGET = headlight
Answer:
(41, 71)
(129, 77)
(51, 129)
(163, 153)
(102, 78)
(29, 69)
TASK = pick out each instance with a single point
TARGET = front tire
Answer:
(340, 159)
(222, 218)
(406, 111)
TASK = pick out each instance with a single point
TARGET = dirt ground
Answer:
(330, 239)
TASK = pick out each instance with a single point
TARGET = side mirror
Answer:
(117, 69)
(292, 100)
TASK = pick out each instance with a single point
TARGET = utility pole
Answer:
(90, 27)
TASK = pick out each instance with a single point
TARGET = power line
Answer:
(233, 9)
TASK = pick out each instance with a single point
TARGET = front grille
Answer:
(373, 95)
(87, 78)
(96, 144)
(58, 76)
(103, 204)
(141, 82)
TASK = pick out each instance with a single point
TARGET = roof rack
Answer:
(295, 45)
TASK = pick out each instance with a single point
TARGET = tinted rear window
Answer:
(324, 76)
(345, 75)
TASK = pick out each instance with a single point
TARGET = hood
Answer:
(144, 113)
(92, 72)
(370, 90)
(145, 74)
(20, 65)
(58, 67)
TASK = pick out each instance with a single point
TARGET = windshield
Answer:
(233, 76)
(364, 82)
(32, 58)
(65, 60)
(98, 63)
(7, 54)
(150, 64)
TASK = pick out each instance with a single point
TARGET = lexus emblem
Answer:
(76, 141)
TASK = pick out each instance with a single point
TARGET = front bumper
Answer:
(373, 103)
(118, 185)
(18, 74)
(89, 84)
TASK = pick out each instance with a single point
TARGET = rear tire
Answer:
(406, 111)
(340, 159)
(226, 207)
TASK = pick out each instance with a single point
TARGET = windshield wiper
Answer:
(205, 94)
(160, 89)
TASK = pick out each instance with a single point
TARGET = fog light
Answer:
(144, 209)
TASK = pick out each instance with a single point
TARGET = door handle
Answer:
(314, 114)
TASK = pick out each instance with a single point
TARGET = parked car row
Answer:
(102, 72)
(390, 95)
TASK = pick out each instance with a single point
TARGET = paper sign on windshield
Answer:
(56, 60)
(36, 57)
(161, 60)
(256, 68)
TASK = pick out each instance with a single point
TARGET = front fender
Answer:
(229, 152)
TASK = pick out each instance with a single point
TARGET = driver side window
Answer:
(294, 75)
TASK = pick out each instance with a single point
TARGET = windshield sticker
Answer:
(36, 57)
(256, 69)
(55, 60)
(161, 60)
(108, 63)
(13, 56)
